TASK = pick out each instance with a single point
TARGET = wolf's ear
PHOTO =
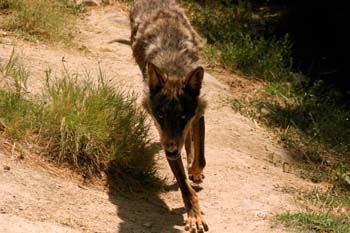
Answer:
(156, 78)
(193, 80)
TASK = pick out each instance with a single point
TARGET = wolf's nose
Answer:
(171, 148)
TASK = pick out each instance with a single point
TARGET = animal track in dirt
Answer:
(239, 192)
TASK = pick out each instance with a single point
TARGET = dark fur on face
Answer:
(174, 104)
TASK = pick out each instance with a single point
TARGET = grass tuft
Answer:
(14, 107)
(46, 20)
(90, 126)
(316, 223)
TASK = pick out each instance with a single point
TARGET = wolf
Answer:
(166, 49)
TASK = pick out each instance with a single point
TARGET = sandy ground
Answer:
(242, 189)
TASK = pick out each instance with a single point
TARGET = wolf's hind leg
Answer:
(195, 151)
(189, 147)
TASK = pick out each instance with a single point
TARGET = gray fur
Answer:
(161, 34)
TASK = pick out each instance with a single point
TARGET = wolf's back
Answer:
(142, 10)
(162, 34)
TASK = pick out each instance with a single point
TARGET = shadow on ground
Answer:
(139, 205)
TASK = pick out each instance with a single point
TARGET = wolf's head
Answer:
(173, 104)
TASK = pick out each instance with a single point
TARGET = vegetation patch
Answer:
(235, 39)
(312, 118)
(330, 201)
(46, 20)
(316, 133)
(316, 223)
(90, 126)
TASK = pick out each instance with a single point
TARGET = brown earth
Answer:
(243, 188)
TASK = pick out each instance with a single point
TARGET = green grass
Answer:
(323, 122)
(13, 107)
(315, 223)
(236, 41)
(316, 121)
(310, 117)
(316, 133)
(328, 211)
(331, 201)
(45, 20)
(90, 126)
(239, 39)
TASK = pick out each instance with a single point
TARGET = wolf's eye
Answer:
(183, 117)
(160, 115)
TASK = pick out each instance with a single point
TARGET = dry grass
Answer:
(92, 127)
(44, 20)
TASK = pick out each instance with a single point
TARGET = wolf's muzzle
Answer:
(172, 155)
(172, 151)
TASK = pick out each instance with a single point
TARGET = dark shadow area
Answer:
(318, 33)
(323, 123)
(320, 116)
(171, 187)
(197, 188)
(316, 137)
(175, 187)
(316, 127)
(138, 204)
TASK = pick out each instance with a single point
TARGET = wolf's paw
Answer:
(196, 178)
(195, 222)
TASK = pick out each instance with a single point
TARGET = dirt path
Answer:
(242, 189)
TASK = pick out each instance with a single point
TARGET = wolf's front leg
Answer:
(194, 221)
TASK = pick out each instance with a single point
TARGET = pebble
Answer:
(147, 224)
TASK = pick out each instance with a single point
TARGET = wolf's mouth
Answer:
(172, 155)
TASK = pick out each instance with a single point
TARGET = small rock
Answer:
(260, 214)
(7, 168)
(264, 111)
(147, 224)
